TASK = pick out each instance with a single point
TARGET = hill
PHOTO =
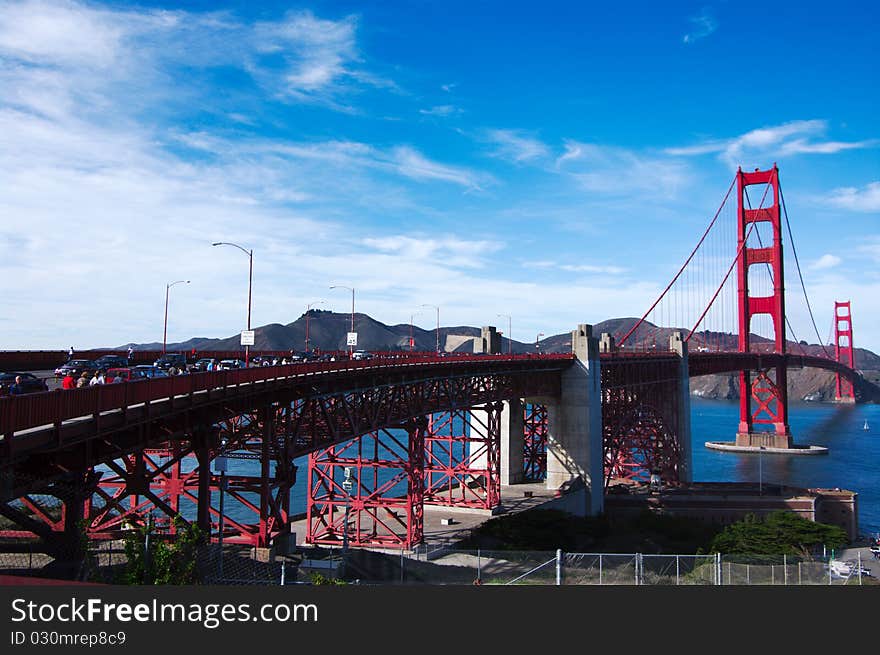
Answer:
(327, 331)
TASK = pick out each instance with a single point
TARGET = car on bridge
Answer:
(168, 360)
(361, 354)
(121, 374)
(147, 371)
(201, 365)
(30, 383)
(76, 367)
(105, 362)
(230, 364)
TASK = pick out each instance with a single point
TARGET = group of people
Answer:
(70, 381)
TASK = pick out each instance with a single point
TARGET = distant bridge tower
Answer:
(770, 396)
(843, 351)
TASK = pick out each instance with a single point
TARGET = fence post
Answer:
(799, 574)
(748, 577)
(558, 566)
(860, 567)
(772, 574)
(600, 568)
(479, 575)
(282, 572)
(785, 569)
(677, 582)
(718, 569)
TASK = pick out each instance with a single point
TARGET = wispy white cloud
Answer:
(577, 268)
(448, 87)
(866, 199)
(703, 24)
(449, 251)
(613, 170)
(515, 145)
(792, 138)
(825, 262)
(441, 110)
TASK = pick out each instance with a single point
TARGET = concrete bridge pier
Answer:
(574, 429)
(683, 428)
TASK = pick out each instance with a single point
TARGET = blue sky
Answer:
(553, 161)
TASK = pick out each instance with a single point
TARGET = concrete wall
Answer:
(574, 439)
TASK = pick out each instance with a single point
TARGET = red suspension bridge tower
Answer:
(763, 400)
(843, 351)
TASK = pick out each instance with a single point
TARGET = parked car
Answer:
(168, 360)
(30, 383)
(111, 361)
(148, 371)
(201, 365)
(230, 364)
(361, 354)
(76, 367)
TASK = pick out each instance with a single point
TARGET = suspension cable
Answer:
(796, 261)
(687, 261)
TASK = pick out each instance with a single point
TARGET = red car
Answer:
(122, 375)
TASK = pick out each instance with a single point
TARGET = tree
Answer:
(778, 533)
(153, 560)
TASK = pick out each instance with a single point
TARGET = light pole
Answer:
(165, 331)
(308, 309)
(537, 339)
(509, 330)
(340, 286)
(250, 254)
(347, 485)
(438, 325)
(761, 471)
(220, 465)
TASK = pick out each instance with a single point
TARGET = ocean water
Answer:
(852, 461)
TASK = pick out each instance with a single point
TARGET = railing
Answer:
(23, 412)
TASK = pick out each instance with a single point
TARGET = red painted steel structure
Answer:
(769, 394)
(462, 458)
(373, 512)
(159, 438)
(843, 351)
(535, 442)
(640, 417)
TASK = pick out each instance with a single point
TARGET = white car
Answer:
(361, 354)
(230, 364)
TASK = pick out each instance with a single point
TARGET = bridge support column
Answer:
(512, 442)
(574, 427)
(844, 391)
(683, 429)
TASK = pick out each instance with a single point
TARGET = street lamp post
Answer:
(340, 286)
(438, 324)
(537, 339)
(250, 254)
(509, 330)
(308, 309)
(761, 471)
(167, 291)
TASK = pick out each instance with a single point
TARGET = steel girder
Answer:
(640, 415)
(462, 458)
(535, 442)
(369, 491)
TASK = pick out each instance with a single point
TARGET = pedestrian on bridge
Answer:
(98, 379)
(69, 382)
(83, 380)
(16, 389)
(130, 355)
(70, 354)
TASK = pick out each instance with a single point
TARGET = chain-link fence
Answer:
(107, 562)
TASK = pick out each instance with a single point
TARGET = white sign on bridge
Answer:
(352, 339)
(247, 337)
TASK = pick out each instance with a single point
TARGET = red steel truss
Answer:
(640, 415)
(383, 504)
(771, 396)
(843, 351)
(535, 443)
(462, 458)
